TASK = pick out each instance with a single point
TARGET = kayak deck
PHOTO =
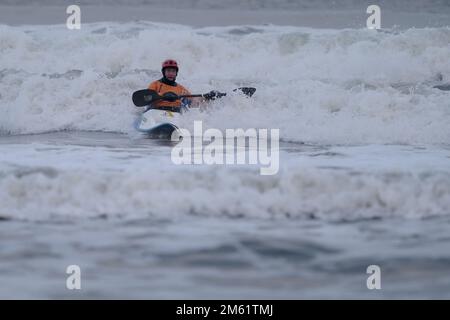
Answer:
(156, 123)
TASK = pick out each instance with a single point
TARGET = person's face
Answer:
(170, 73)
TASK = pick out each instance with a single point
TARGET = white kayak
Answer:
(158, 123)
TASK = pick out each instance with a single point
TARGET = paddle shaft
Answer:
(220, 94)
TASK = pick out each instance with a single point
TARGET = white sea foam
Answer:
(327, 86)
(295, 193)
(39, 181)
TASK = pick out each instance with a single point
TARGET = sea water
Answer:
(364, 176)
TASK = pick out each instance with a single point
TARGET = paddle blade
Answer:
(248, 91)
(144, 97)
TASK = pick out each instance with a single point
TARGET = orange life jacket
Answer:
(162, 88)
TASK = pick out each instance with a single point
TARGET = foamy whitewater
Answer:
(321, 86)
(364, 163)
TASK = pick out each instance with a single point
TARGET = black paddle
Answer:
(145, 97)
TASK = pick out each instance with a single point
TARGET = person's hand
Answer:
(212, 95)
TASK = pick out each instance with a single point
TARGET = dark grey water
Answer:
(316, 14)
(225, 258)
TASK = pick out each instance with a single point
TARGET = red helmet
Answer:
(169, 64)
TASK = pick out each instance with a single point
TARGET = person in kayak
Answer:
(167, 84)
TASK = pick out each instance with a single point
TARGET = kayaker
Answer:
(168, 84)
